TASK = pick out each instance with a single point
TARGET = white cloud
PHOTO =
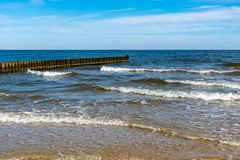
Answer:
(193, 28)
(223, 19)
(232, 13)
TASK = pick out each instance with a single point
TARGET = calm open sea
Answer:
(159, 105)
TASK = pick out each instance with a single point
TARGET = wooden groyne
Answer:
(232, 65)
(6, 67)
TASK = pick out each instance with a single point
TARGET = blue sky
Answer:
(119, 24)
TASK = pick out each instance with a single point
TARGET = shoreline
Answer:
(95, 142)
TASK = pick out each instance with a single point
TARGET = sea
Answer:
(162, 104)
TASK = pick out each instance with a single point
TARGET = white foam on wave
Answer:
(205, 83)
(119, 69)
(32, 118)
(178, 94)
(4, 95)
(209, 71)
(29, 117)
(48, 73)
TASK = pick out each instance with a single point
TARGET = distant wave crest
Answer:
(32, 118)
(178, 94)
(48, 73)
(225, 84)
(119, 69)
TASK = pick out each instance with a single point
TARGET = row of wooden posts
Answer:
(6, 67)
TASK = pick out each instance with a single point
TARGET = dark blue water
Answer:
(186, 98)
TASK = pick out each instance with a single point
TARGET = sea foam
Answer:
(4, 95)
(29, 117)
(178, 94)
(48, 73)
(119, 69)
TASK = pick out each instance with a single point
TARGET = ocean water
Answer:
(159, 105)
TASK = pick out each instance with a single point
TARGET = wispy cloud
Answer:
(211, 20)
(120, 10)
(213, 23)
(97, 15)
(207, 7)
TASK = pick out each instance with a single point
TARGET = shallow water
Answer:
(159, 105)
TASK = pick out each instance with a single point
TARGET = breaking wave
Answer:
(4, 95)
(189, 82)
(48, 73)
(178, 94)
(31, 118)
(119, 69)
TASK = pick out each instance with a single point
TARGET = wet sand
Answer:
(98, 142)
